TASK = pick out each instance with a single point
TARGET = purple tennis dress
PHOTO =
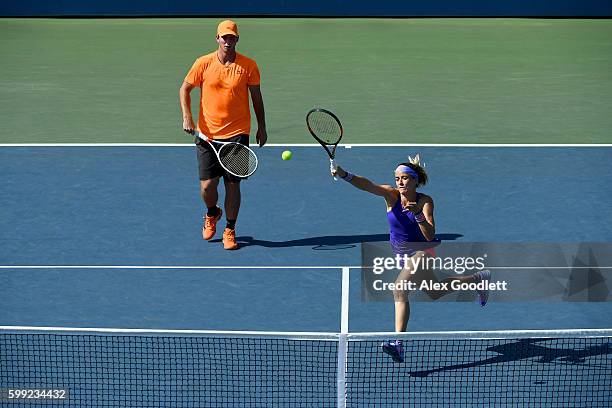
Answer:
(404, 229)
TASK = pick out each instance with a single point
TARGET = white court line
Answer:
(257, 267)
(549, 267)
(167, 267)
(96, 145)
(347, 146)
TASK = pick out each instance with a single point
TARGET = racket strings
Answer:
(238, 159)
(325, 127)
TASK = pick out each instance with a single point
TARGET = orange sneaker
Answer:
(210, 225)
(229, 239)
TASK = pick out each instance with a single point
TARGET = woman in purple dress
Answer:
(411, 220)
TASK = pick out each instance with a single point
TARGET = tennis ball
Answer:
(287, 155)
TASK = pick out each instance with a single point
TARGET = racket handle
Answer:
(333, 167)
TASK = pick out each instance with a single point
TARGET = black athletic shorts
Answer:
(208, 164)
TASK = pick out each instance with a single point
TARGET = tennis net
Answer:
(142, 368)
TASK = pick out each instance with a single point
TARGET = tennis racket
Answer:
(326, 128)
(236, 158)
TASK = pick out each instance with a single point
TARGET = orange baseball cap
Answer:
(227, 27)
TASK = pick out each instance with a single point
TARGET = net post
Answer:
(343, 338)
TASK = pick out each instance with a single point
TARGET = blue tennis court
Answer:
(139, 207)
(109, 237)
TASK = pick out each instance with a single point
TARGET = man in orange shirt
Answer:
(225, 79)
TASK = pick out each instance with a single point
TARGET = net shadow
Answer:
(527, 349)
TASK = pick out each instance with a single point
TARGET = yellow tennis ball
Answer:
(287, 155)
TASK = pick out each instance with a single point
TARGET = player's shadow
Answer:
(327, 242)
(528, 349)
